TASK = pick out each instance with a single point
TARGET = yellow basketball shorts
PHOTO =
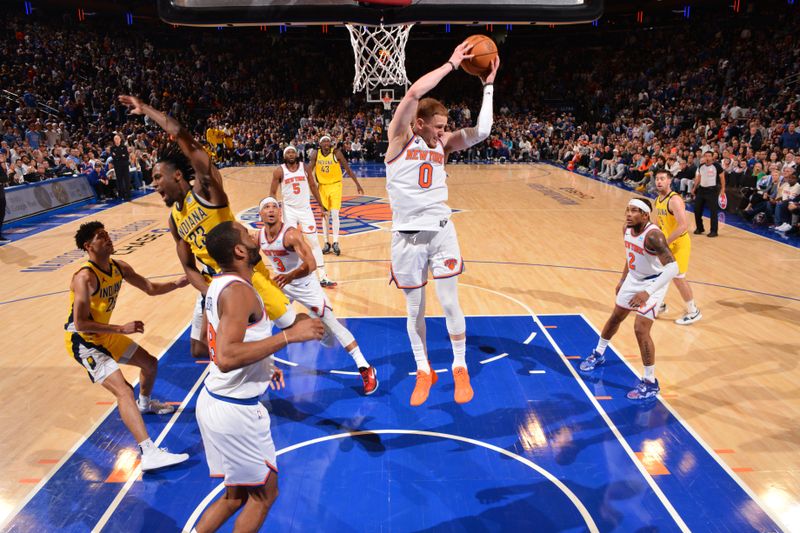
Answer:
(331, 195)
(275, 302)
(681, 249)
(99, 353)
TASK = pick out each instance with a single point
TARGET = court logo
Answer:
(359, 214)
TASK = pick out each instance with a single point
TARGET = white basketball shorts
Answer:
(302, 219)
(413, 254)
(632, 286)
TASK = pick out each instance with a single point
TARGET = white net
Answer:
(380, 56)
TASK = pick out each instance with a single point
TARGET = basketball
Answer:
(485, 50)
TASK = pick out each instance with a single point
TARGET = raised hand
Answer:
(133, 104)
(461, 53)
(137, 326)
(490, 77)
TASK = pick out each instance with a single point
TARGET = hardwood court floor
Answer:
(531, 235)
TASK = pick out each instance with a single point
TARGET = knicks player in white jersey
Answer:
(649, 268)
(296, 190)
(423, 236)
(234, 426)
(293, 265)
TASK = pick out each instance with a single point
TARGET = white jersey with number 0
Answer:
(282, 260)
(251, 380)
(294, 188)
(417, 185)
(642, 263)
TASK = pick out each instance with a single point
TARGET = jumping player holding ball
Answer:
(423, 236)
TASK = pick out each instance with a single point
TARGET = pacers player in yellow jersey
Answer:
(671, 219)
(196, 209)
(326, 164)
(100, 346)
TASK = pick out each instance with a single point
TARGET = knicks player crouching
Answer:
(649, 268)
(293, 264)
(234, 426)
(423, 236)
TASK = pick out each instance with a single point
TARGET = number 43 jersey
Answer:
(193, 221)
(417, 185)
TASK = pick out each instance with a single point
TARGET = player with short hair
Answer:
(234, 426)
(100, 346)
(296, 190)
(293, 265)
(670, 212)
(423, 236)
(326, 166)
(649, 267)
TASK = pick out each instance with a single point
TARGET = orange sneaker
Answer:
(423, 387)
(463, 392)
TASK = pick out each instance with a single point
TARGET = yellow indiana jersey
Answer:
(103, 300)
(328, 169)
(193, 221)
(664, 218)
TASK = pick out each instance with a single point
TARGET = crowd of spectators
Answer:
(724, 85)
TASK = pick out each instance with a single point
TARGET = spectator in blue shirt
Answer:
(790, 138)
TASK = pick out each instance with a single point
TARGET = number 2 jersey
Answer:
(417, 185)
(642, 263)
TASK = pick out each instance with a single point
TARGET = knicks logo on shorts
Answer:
(359, 214)
(451, 263)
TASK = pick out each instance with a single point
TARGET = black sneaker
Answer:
(336, 249)
(327, 248)
(698, 231)
(712, 234)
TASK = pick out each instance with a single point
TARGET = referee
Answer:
(708, 182)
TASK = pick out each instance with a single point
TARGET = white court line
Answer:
(529, 339)
(587, 517)
(135, 474)
(284, 361)
(536, 371)
(700, 440)
(650, 481)
(345, 372)
(71, 452)
(442, 371)
(495, 358)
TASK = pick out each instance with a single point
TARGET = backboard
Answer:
(387, 12)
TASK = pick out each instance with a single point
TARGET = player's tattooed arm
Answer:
(656, 243)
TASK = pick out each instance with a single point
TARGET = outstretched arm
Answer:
(400, 126)
(466, 137)
(84, 283)
(209, 179)
(147, 286)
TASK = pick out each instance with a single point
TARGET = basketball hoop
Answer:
(380, 56)
(387, 102)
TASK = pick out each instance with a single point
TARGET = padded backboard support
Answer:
(316, 12)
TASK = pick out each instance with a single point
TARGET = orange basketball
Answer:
(484, 50)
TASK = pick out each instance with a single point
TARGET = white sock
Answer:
(602, 344)
(690, 305)
(316, 251)
(358, 357)
(335, 217)
(650, 373)
(459, 352)
(421, 358)
(325, 228)
(144, 401)
(147, 446)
